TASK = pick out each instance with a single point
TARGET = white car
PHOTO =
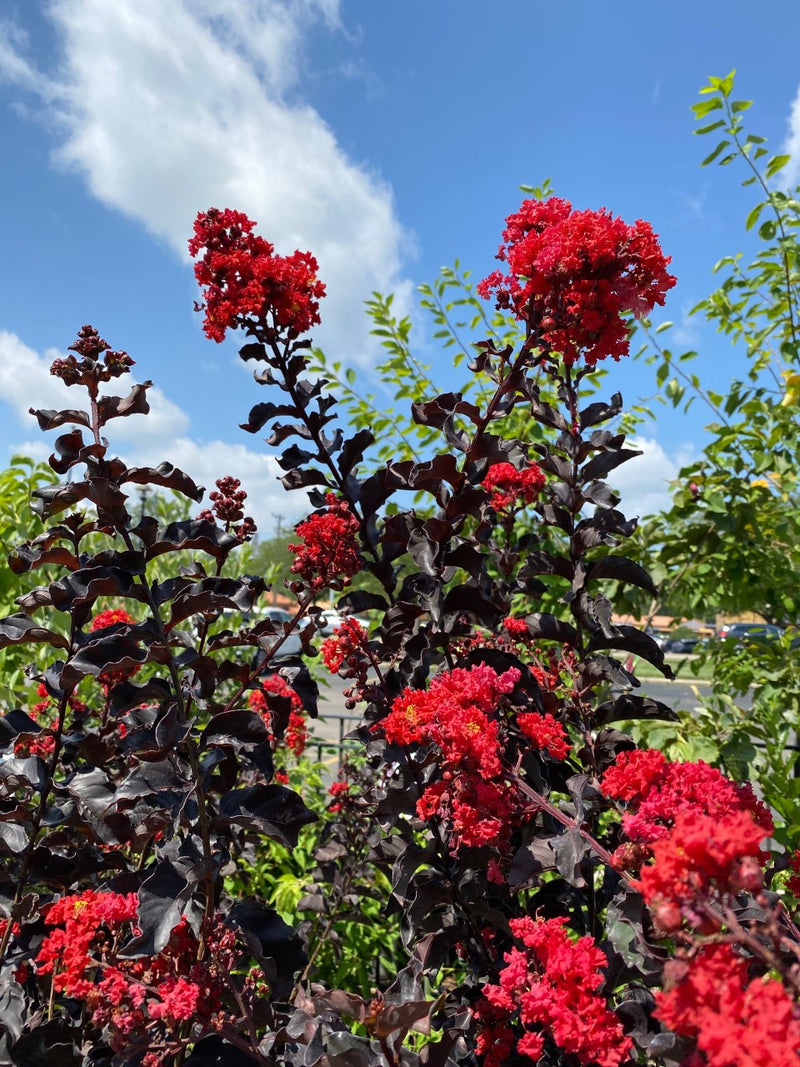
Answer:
(331, 620)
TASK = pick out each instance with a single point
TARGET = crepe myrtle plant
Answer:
(564, 897)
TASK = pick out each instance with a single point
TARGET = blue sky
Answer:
(389, 139)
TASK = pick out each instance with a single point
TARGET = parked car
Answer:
(745, 633)
(661, 637)
(681, 644)
(331, 620)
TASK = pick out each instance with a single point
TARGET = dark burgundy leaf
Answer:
(569, 850)
(108, 652)
(12, 1005)
(253, 350)
(135, 403)
(161, 899)
(300, 479)
(262, 413)
(600, 465)
(29, 556)
(274, 944)
(20, 629)
(31, 770)
(50, 1044)
(442, 408)
(13, 837)
(547, 414)
(360, 600)
(629, 639)
(16, 722)
(215, 594)
(168, 476)
(85, 586)
(353, 451)
(213, 1051)
(554, 464)
(629, 706)
(49, 419)
(552, 629)
(295, 456)
(601, 494)
(198, 534)
(275, 810)
(50, 500)
(623, 570)
(243, 727)
(529, 862)
(599, 411)
(67, 451)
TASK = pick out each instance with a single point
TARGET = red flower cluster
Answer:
(511, 488)
(142, 1002)
(340, 792)
(246, 284)
(552, 983)
(656, 790)
(545, 732)
(345, 648)
(45, 712)
(108, 618)
(572, 275)
(702, 831)
(229, 507)
(328, 557)
(736, 1021)
(458, 715)
(702, 857)
(101, 621)
(296, 734)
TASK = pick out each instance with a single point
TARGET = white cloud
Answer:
(644, 482)
(168, 109)
(164, 436)
(791, 146)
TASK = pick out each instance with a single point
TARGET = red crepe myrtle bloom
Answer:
(545, 732)
(246, 283)
(736, 1021)
(552, 982)
(657, 789)
(573, 275)
(295, 736)
(458, 714)
(345, 647)
(328, 555)
(102, 621)
(702, 856)
(140, 1002)
(511, 488)
(109, 618)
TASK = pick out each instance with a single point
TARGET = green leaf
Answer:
(741, 105)
(775, 164)
(752, 217)
(705, 107)
(713, 155)
(664, 326)
(712, 126)
(767, 230)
